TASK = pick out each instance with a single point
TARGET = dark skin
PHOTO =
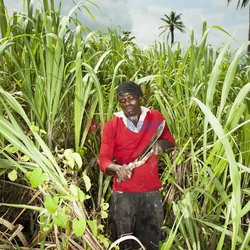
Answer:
(131, 107)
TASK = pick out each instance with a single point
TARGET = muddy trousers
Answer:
(138, 214)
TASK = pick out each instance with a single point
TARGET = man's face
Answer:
(130, 104)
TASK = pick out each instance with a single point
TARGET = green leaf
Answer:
(11, 150)
(81, 195)
(105, 205)
(61, 220)
(12, 175)
(47, 227)
(74, 191)
(25, 158)
(37, 177)
(77, 159)
(101, 227)
(68, 154)
(78, 193)
(51, 203)
(43, 131)
(34, 128)
(79, 226)
(2, 172)
(93, 226)
(103, 240)
(104, 214)
(86, 181)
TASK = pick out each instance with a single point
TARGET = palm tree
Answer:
(127, 37)
(172, 22)
(243, 4)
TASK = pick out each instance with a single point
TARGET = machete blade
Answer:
(154, 139)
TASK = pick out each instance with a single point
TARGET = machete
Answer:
(154, 139)
(148, 150)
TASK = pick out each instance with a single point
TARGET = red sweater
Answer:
(124, 145)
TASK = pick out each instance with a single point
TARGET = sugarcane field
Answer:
(124, 125)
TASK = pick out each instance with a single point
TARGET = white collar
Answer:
(129, 124)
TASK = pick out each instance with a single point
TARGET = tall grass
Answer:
(220, 171)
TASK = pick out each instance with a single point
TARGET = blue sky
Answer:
(142, 18)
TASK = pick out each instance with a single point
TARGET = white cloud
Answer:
(12, 5)
(110, 13)
(146, 22)
(143, 18)
(239, 33)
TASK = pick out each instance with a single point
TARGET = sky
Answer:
(143, 18)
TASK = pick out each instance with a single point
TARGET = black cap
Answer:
(129, 87)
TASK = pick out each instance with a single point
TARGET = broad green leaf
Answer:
(37, 177)
(81, 195)
(61, 220)
(12, 175)
(79, 226)
(11, 150)
(78, 193)
(34, 128)
(47, 227)
(104, 214)
(103, 240)
(78, 160)
(68, 154)
(93, 226)
(51, 203)
(105, 206)
(86, 181)
(101, 227)
(25, 158)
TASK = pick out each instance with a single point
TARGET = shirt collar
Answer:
(129, 124)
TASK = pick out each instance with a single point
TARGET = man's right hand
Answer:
(123, 172)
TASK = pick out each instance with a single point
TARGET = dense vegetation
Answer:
(57, 88)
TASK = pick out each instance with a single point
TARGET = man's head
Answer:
(129, 96)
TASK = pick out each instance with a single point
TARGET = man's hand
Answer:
(163, 146)
(123, 172)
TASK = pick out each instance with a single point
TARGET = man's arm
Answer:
(107, 146)
(106, 154)
(166, 142)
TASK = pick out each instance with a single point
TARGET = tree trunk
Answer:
(172, 36)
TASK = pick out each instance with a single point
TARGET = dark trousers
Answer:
(138, 214)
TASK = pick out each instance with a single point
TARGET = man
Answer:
(136, 207)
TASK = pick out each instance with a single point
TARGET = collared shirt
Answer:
(124, 142)
(129, 124)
